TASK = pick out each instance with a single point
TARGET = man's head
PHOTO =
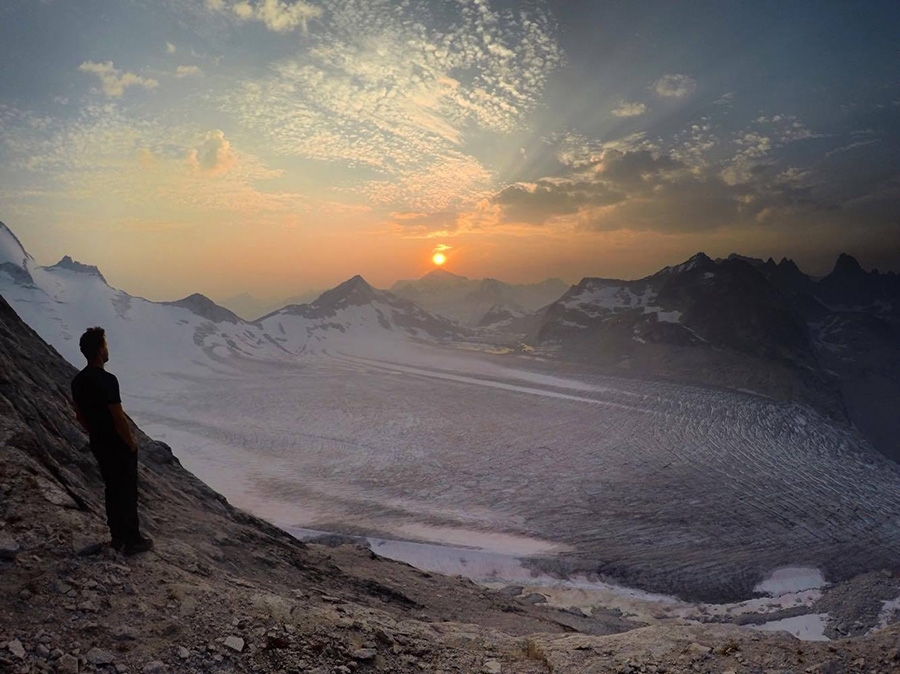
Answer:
(93, 345)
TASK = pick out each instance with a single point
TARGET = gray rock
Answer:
(183, 653)
(97, 656)
(67, 664)
(87, 548)
(159, 452)
(54, 494)
(234, 643)
(124, 633)
(364, 654)
(154, 667)
(699, 649)
(42, 651)
(15, 647)
(8, 547)
(533, 598)
(493, 667)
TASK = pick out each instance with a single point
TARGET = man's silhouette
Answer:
(99, 410)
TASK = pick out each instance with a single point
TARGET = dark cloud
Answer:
(654, 191)
(635, 168)
(537, 203)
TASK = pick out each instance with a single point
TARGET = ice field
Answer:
(674, 489)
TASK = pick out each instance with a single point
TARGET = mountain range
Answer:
(187, 335)
(470, 301)
(832, 343)
(226, 591)
(740, 323)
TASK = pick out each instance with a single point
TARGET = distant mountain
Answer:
(250, 308)
(205, 307)
(356, 312)
(468, 300)
(747, 323)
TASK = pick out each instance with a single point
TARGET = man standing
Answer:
(99, 411)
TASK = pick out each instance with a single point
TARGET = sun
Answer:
(439, 259)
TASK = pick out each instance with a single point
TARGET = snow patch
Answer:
(888, 613)
(791, 579)
(809, 627)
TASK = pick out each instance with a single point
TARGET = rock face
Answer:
(72, 265)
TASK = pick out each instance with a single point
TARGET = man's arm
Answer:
(120, 421)
(80, 417)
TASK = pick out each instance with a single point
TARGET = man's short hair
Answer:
(91, 342)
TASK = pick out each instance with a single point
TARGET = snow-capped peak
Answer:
(73, 265)
(14, 260)
(352, 292)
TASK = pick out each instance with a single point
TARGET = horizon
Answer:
(266, 147)
(314, 293)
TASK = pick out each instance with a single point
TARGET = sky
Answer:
(273, 147)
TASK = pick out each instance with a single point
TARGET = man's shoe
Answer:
(142, 544)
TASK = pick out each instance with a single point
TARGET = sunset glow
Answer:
(439, 259)
(251, 146)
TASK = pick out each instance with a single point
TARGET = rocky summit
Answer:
(223, 591)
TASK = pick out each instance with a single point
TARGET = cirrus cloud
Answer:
(392, 91)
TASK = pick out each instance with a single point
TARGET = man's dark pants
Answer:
(118, 466)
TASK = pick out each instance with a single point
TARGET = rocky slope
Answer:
(224, 591)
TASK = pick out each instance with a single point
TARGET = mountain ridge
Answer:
(749, 324)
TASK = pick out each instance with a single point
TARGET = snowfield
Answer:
(674, 489)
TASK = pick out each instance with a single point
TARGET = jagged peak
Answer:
(752, 261)
(847, 264)
(788, 264)
(355, 283)
(355, 291)
(73, 265)
(698, 260)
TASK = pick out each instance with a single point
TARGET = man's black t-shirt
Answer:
(94, 390)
